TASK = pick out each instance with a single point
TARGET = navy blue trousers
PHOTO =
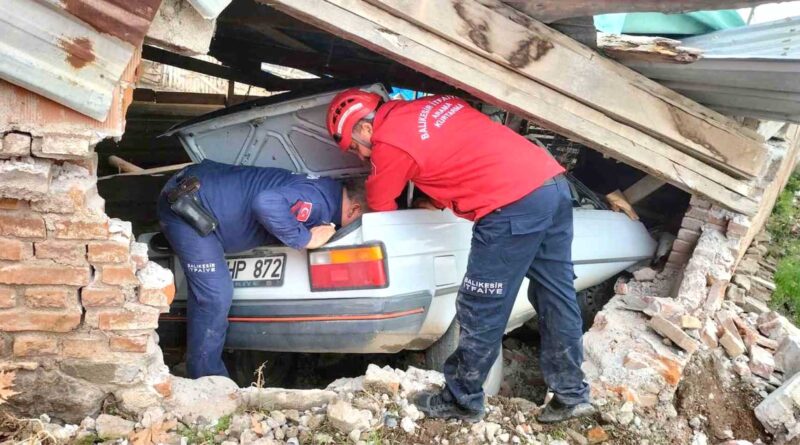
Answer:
(210, 292)
(533, 237)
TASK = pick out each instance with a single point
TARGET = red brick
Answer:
(15, 144)
(164, 388)
(11, 204)
(15, 250)
(90, 347)
(716, 293)
(79, 229)
(64, 252)
(26, 345)
(5, 345)
(696, 201)
(134, 343)
(678, 257)
(108, 252)
(698, 213)
(119, 275)
(688, 235)
(8, 297)
(48, 297)
(736, 230)
(69, 201)
(24, 319)
(43, 272)
(683, 246)
(691, 223)
(157, 297)
(95, 296)
(125, 320)
(23, 225)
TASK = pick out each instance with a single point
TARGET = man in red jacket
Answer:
(522, 208)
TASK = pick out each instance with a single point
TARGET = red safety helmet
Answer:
(345, 110)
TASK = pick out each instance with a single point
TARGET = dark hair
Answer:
(356, 191)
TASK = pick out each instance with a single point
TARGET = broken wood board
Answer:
(553, 59)
(642, 189)
(400, 40)
(646, 49)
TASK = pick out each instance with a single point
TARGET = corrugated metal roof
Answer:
(750, 71)
(72, 51)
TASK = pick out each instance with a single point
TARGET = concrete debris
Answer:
(742, 281)
(645, 274)
(777, 412)
(168, 28)
(761, 362)
(674, 333)
(112, 427)
(732, 344)
(345, 418)
(787, 356)
(381, 381)
(690, 322)
(202, 400)
(25, 178)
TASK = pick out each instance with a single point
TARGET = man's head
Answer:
(349, 120)
(354, 200)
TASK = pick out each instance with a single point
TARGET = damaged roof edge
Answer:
(49, 51)
(210, 9)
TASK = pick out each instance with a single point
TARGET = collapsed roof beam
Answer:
(261, 79)
(500, 85)
(548, 11)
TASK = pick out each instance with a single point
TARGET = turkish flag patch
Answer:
(302, 210)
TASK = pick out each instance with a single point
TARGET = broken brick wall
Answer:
(79, 300)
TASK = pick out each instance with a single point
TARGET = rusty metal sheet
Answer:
(47, 49)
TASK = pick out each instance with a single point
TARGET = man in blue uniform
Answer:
(210, 209)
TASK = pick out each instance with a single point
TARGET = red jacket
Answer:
(455, 154)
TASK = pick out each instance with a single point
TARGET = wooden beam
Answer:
(642, 189)
(400, 40)
(256, 78)
(646, 49)
(554, 60)
(122, 165)
(551, 10)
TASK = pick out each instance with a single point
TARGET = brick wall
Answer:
(79, 300)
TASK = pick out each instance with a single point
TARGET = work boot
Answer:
(442, 405)
(556, 411)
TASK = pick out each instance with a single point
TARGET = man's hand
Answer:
(424, 203)
(320, 235)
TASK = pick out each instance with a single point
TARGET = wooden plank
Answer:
(551, 10)
(642, 189)
(401, 41)
(646, 49)
(559, 62)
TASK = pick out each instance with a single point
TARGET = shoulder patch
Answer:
(302, 210)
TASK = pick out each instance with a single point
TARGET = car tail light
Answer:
(351, 267)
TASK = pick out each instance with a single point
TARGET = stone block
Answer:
(73, 399)
(381, 381)
(102, 296)
(43, 272)
(15, 145)
(23, 319)
(645, 274)
(22, 225)
(787, 357)
(210, 397)
(112, 427)
(63, 252)
(736, 295)
(24, 178)
(761, 362)
(101, 371)
(777, 411)
(119, 275)
(15, 250)
(754, 305)
(27, 345)
(345, 418)
(108, 252)
(8, 297)
(742, 281)
(49, 297)
(674, 333)
(748, 266)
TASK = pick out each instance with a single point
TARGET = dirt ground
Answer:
(726, 406)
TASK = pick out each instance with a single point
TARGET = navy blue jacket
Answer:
(256, 205)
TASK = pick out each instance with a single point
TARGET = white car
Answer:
(384, 284)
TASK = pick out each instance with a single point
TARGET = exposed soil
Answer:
(727, 407)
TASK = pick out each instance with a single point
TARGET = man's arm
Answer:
(273, 209)
(392, 168)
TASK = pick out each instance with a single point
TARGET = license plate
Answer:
(258, 271)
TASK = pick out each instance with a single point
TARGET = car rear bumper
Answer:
(360, 325)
